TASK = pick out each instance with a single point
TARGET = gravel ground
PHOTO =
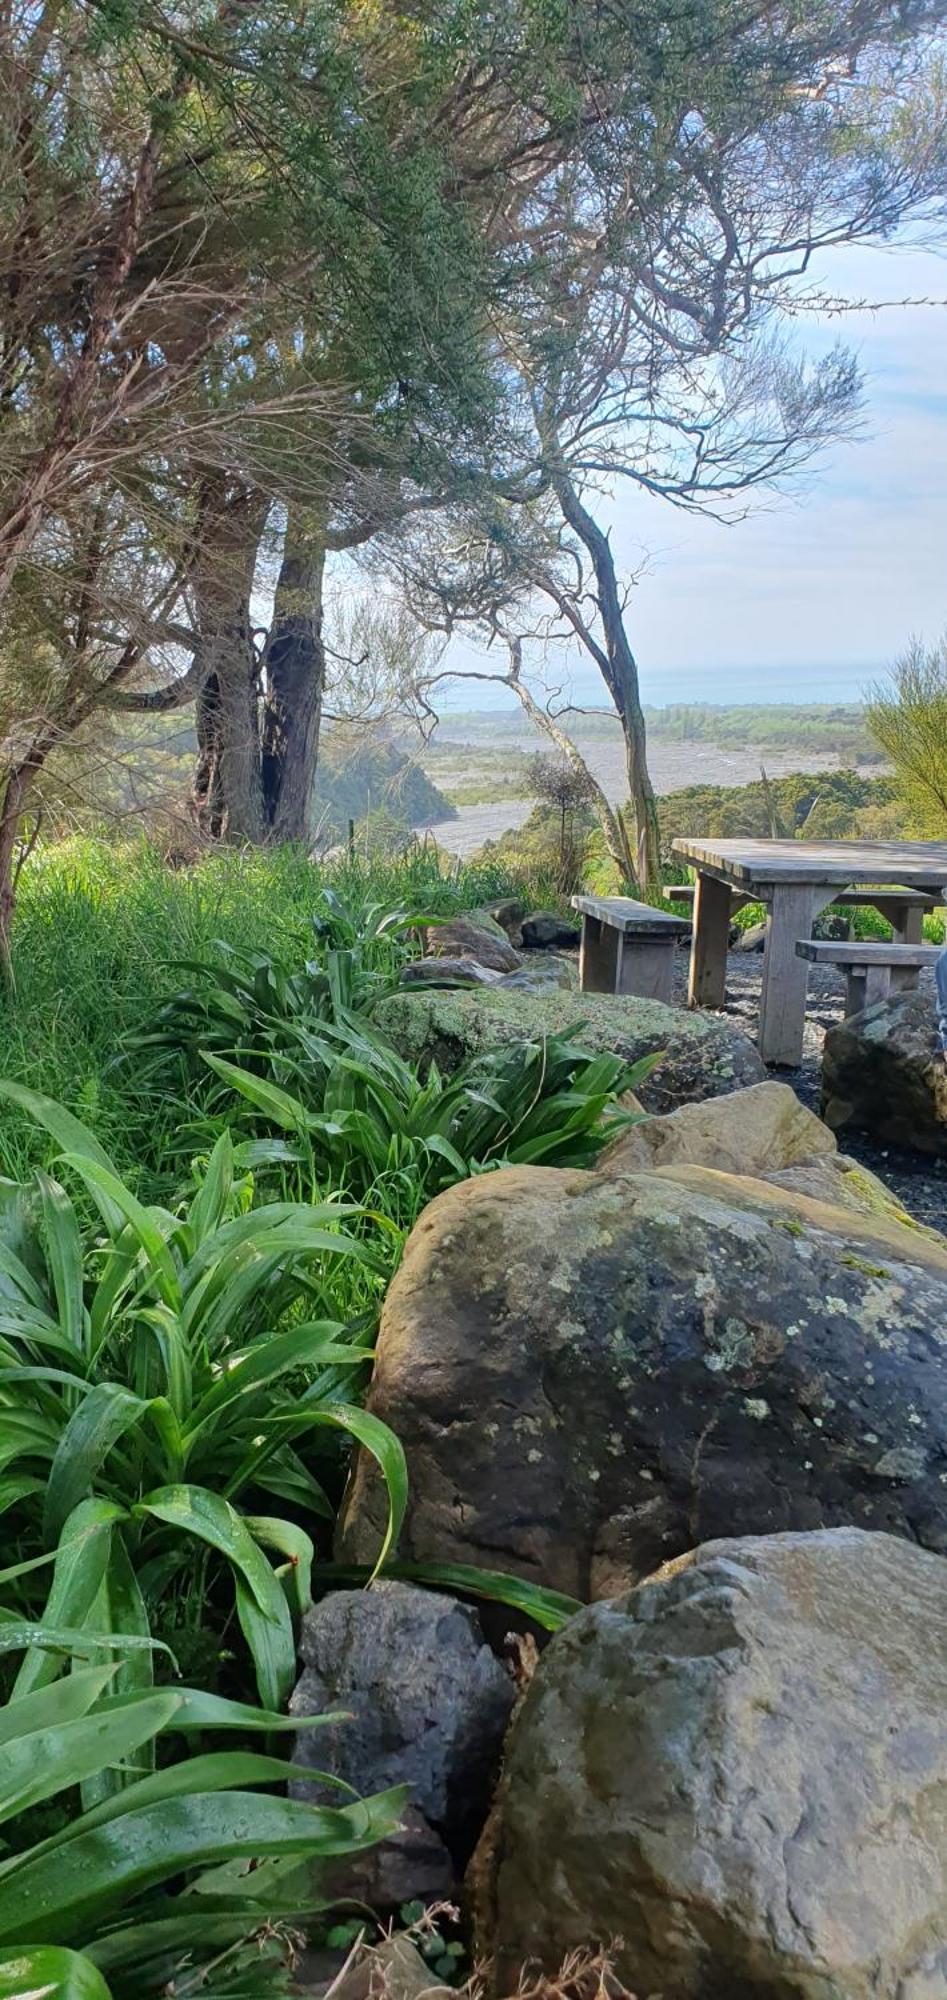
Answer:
(917, 1180)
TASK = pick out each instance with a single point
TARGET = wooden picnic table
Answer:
(795, 879)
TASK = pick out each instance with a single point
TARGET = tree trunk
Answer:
(614, 831)
(15, 794)
(619, 670)
(227, 790)
(294, 670)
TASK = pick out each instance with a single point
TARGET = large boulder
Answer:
(474, 936)
(765, 1132)
(882, 1072)
(703, 1054)
(740, 1771)
(590, 1373)
(425, 1703)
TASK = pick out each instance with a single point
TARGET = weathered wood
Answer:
(623, 913)
(707, 984)
(627, 947)
(685, 892)
(599, 956)
(920, 864)
(785, 975)
(825, 951)
(871, 971)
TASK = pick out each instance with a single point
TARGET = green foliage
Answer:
(148, 1879)
(360, 773)
(156, 1382)
(805, 805)
(357, 1117)
(99, 928)
(909, 719)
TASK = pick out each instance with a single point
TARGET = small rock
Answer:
(430, 1704)
(437, 972)
(542, 970)
(882, 1073)
(509, 914)
(740, 1771)
(392, 1970)
(543, 930)
(467, 937)
(753, 939)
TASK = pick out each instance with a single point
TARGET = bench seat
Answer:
(627, 947)
(871, 970)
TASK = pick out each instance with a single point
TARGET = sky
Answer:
(816, 594)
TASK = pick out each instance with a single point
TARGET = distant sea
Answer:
(724, 685)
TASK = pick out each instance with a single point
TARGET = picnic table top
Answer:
(784, 863)
(623, 913)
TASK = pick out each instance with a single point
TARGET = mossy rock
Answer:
(703, 1055)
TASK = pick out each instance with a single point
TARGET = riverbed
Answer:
(673, 767)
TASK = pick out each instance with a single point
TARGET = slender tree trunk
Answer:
(294, 672)
(227, 790)
(614, 830)
(619, 670)
(12, 806)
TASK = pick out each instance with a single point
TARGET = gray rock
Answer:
(472, 936)
(591, 1373)
(544, 930)
(752, 939)
(509, 913)
(430, 1704)
(703, 1054)
(740, 1770)
(446, 972)
(541, 970)
(882, 1073)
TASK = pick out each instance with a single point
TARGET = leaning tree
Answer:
(651, 350)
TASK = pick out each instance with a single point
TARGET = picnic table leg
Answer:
(907, 924)
(708, 974)
(786, 977)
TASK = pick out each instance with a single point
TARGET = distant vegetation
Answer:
(361, 774)
(827, 805)
(841, 728)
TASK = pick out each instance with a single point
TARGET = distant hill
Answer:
(361, 773)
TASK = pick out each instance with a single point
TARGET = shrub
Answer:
(173, 1371)
(145, 1881)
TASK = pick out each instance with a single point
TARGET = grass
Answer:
(97, 933)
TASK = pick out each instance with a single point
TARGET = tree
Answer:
(567, 793)
(908, 716)
(650, 349)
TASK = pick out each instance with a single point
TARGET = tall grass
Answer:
(98, 930)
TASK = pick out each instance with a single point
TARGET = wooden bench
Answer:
(627, 947)
(903, 909)
(872, 971)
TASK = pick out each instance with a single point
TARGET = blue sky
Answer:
(820, 589)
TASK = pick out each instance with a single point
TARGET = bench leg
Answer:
(785, 976)
(599, 957)
(646, 968)
(904, 978)
(854, 990)
(707, 985)
(877, 983)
